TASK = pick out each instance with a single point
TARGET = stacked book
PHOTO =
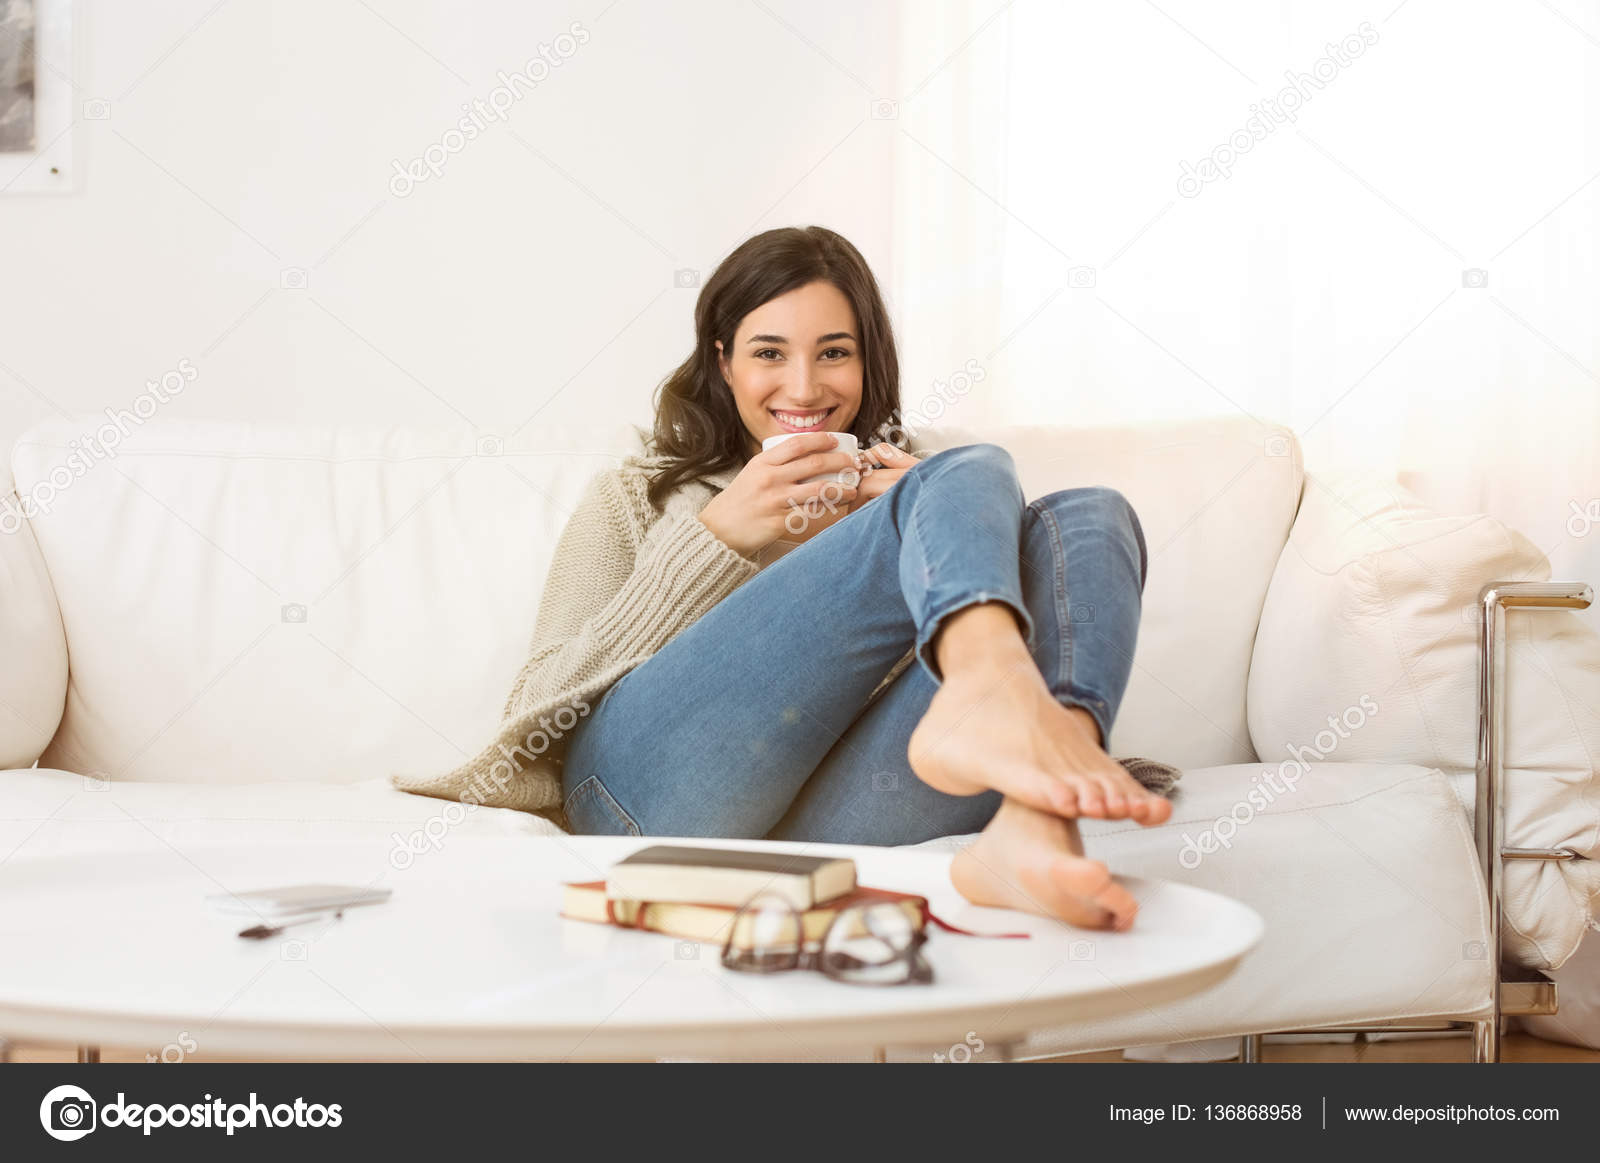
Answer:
(696, 893)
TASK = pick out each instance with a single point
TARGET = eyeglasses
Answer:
(875, 944)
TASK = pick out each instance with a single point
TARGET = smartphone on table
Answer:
(296, 899)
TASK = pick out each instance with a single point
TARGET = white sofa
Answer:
(228, 632)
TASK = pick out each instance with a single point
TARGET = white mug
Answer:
(842, 442)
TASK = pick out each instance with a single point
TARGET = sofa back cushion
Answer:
(1215, 498)
(33, 649)
(246, 604)
(250, 604)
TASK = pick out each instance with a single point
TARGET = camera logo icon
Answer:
(294, 612)
(686, 278)
(1474, 951)
(292, 951)
(686, 951)
(96, 109)
(1277, 445)
(1584, 517)
(67, 1113)
(884, 109)
(1475, 278)
(294, 279)
(1082, 611)
(1082, 278)
(885, 781)
(490, 446)
(1080, 951)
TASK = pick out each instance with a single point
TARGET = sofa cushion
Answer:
(1364, 874)
(1215, 499)
(33, 649)
(1366, 881)
(254, 604)
(1577, 1021)
(45, 812)
(1367, 651)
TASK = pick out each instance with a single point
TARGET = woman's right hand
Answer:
(760, 504)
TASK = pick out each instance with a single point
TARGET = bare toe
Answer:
(1032, 861)
(1080, 884)
(1092, 798)
(1118, 804)
(1157, 809)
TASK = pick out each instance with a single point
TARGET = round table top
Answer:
(469, 959)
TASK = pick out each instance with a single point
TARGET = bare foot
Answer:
(993, 723)
(1034, 861)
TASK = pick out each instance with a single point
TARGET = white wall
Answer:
(532, 281)
(1321, 283)
(533, 276)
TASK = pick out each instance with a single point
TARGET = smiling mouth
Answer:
(808, 421)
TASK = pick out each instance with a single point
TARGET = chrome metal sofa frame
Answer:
(1527, 993)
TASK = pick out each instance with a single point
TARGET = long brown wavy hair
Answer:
(697, 422)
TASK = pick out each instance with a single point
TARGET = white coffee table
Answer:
(469, 960)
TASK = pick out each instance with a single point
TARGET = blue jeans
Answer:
(753, 721)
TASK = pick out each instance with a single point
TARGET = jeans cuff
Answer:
(941, 613)
(1098, 711)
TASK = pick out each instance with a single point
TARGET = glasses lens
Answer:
(873, 945)
(765, 936)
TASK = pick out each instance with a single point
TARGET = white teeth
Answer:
(801, 421)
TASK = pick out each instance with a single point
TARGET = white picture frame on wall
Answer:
(51, 165)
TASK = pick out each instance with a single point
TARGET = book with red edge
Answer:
(712, 922)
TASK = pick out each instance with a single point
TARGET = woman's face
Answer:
(795, 365)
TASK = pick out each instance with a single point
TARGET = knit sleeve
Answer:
(613, 595)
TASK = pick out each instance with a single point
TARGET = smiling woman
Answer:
(791, 322)
(728, 690)
(800, 391)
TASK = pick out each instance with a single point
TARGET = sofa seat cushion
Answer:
(1366, 877)
(46, 812)
(1367, 881)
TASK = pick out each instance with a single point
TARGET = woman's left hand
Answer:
(881, 466)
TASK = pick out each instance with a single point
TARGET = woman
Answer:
(881, 661)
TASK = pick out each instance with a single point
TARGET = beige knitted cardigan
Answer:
(625, 579)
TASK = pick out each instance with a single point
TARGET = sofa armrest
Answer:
(33, 644)
(1489, 814)
(1368, 651)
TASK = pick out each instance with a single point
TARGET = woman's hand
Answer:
(881, 466)
(767, 500)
